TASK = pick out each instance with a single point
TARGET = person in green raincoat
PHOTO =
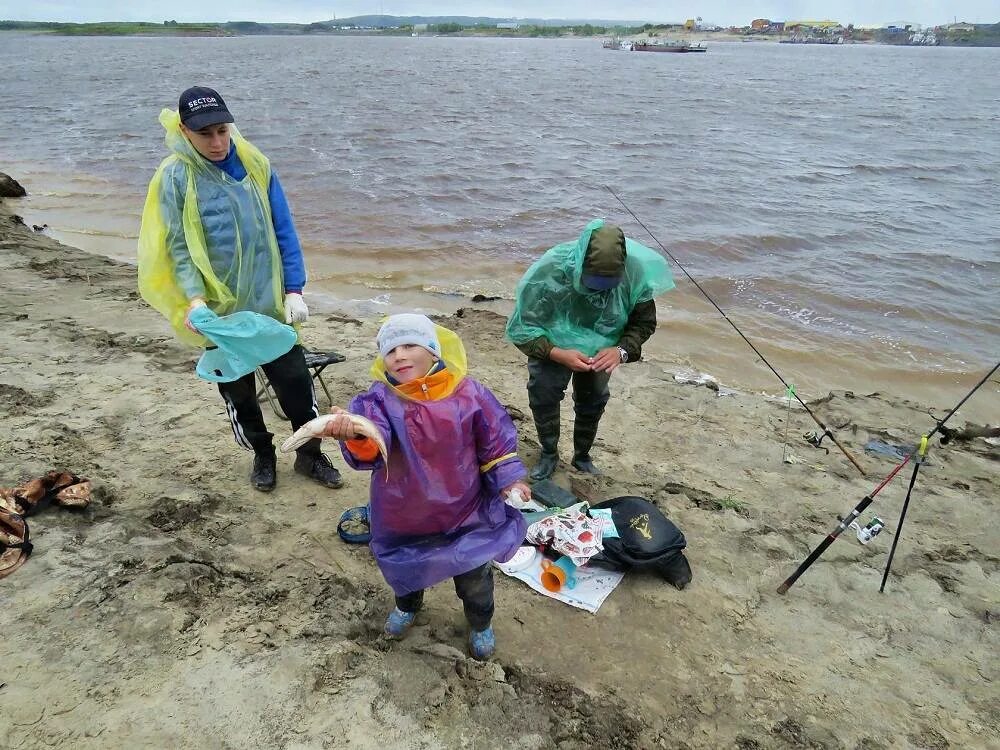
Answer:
(582, 309)
(217, 232)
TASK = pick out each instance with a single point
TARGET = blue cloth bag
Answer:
(245, 340)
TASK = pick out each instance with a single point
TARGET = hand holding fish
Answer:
(341, 425)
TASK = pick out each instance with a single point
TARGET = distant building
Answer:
(420, 27)
(819, 25)
(508, 25)
(764, 24)
(961, 26)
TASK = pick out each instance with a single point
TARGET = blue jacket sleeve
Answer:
(292, 264)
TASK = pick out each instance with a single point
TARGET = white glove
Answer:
(295, 308)
(195, 304)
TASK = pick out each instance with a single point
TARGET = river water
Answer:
(840, 203)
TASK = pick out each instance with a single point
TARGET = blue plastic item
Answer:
(353, 516)
(244, 341)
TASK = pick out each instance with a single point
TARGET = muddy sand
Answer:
(184, 610)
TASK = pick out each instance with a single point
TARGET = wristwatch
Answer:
(623, 353)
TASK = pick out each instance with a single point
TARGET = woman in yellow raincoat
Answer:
(217, 231)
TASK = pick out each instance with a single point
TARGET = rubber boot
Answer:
(547, 426)
(482, 644)
(398, 623)
(584, 433)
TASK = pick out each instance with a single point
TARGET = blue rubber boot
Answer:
(482, 644)
(398, 622)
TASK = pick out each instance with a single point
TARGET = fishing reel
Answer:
(815, 439)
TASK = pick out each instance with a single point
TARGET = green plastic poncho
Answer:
(206, 234)
(553, 302)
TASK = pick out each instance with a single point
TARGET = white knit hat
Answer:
(408, 328)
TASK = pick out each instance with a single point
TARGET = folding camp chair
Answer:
(315, 361)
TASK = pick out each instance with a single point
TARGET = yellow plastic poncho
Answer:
(552, 300)
(205, 234)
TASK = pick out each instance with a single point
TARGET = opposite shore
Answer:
(761, 30)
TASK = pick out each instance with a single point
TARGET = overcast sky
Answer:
(721, 12)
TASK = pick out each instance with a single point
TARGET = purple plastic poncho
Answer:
(437, 514)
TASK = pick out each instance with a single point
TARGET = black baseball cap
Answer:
(201, 106)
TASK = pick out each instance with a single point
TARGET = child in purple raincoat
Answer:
(439, 510)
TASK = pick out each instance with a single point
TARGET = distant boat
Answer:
(617, 44)
(668, 47)
(812, 40)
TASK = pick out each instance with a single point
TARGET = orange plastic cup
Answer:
(557, 574)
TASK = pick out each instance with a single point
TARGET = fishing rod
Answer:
(919, 452)
(826, 430)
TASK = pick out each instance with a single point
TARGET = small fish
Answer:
(314, 428)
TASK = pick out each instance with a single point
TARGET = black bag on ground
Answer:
(647, 540)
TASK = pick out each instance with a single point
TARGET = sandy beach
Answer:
(184, 610)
